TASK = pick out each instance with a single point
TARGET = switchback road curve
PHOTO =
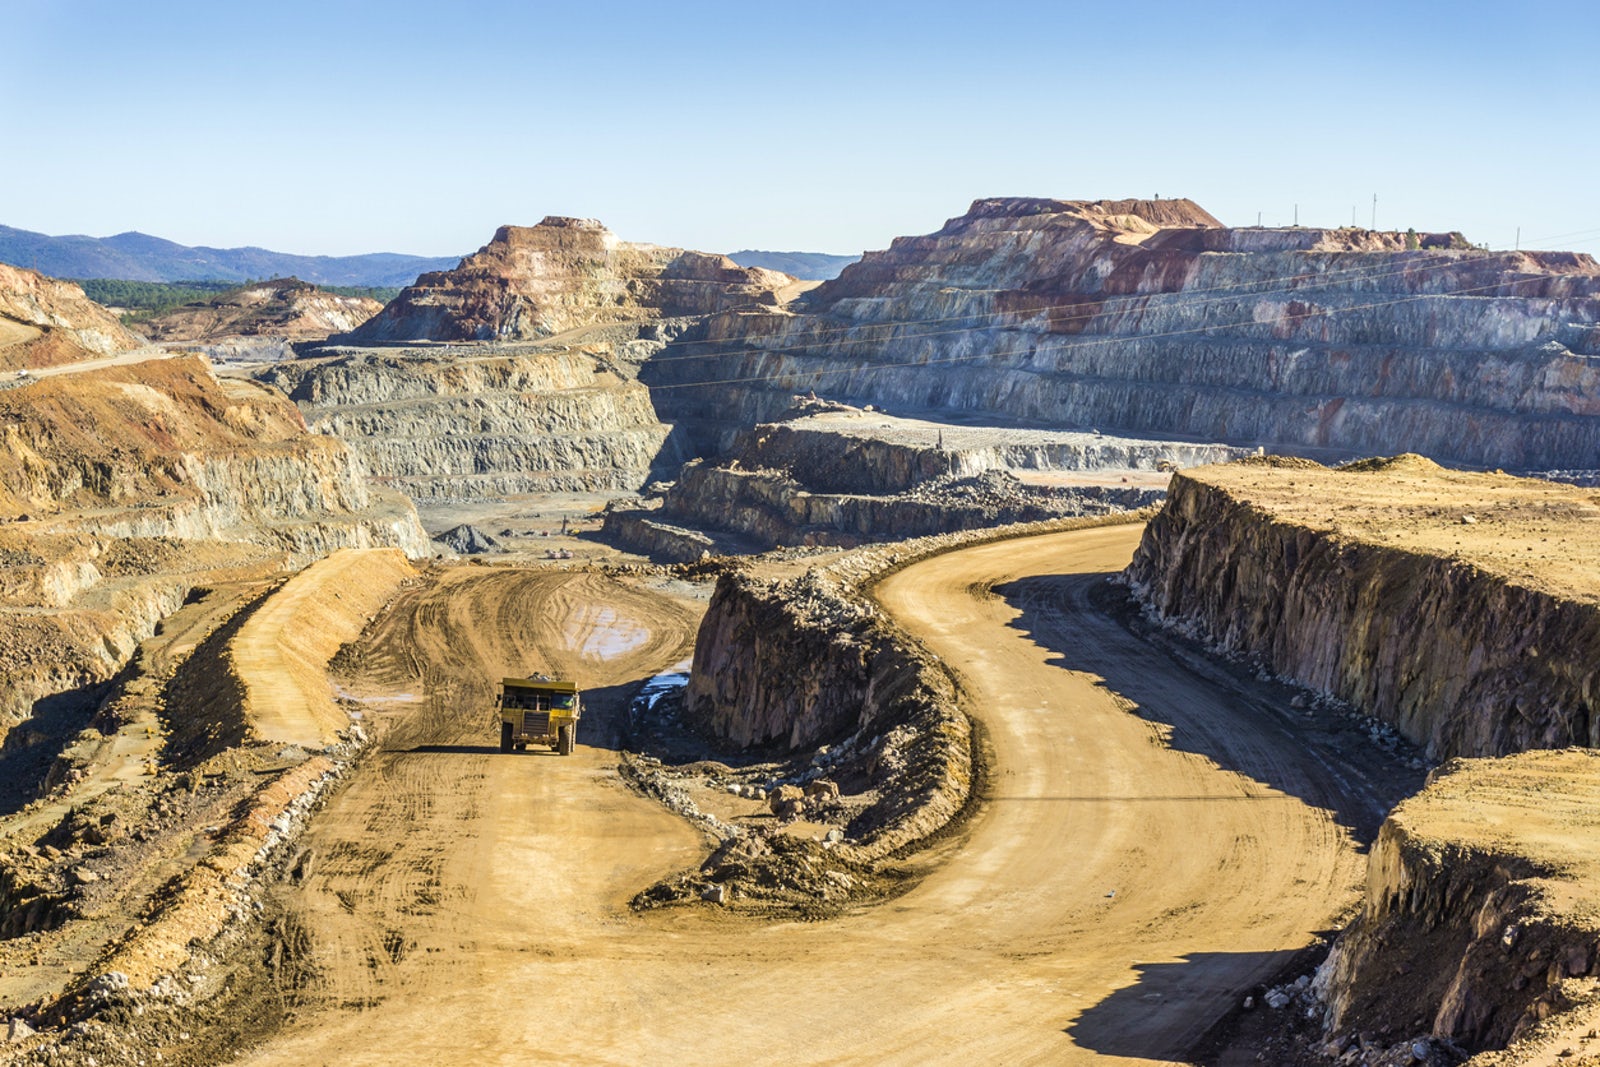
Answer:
(1154, 843)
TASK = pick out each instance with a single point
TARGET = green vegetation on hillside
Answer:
(141, 301)
(148, 298)
(381, 293)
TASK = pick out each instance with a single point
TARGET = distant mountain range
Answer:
(140, 257)
(814, 266)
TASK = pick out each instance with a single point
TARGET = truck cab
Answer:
(539, 711)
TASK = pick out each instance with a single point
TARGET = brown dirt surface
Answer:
(1078, 918)
(45, 321)
(1539, 534)
(282, 651)
(1541, 808)
(57, 428)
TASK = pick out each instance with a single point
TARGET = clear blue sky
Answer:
(400, 126)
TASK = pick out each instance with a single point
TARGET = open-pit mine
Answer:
(1084, 633)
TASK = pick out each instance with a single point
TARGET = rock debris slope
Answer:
(1150, 317)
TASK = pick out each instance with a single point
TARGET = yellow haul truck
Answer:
(538, 711)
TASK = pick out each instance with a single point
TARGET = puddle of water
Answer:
(660, 686)
(340, 691)
(609, 634)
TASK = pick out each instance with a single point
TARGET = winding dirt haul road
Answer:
(1154, 845)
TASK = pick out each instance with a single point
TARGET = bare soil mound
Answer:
(45, 322)
(284, 308)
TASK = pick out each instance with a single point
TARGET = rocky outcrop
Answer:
(842, 476)
(636, 529)
(44, 321)
(1462, 608)
(530, 282)
(469, 422)
(757, 631)
(495, 412)
(835, 448)
(771, 508)
(1479, 917)
(789, 665)
(883, 702)
(121, 491)
(284, 308)
(1148, 317)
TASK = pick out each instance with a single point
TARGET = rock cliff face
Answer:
(530, 282)
(121, 490)
(527, 413)
(284, 308)
(44, 321)
(772, 509)
(1462, 608)
(834, 448)
(835, 475)
(756, 631)
(1479, 917)
(462, 423)
(884, 703)
(1151, 318)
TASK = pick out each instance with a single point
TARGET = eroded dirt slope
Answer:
(281, 308)
(46, 321)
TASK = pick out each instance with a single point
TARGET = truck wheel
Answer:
(505, 737)
(567, 740)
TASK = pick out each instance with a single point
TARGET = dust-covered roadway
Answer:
(1153, 846)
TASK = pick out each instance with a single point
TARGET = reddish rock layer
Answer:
(1149, 318)
(534, 281)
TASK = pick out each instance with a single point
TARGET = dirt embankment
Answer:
(1483, 891)
(137, 915)
(1465, 610)
(45, 321)
(1462, 608)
